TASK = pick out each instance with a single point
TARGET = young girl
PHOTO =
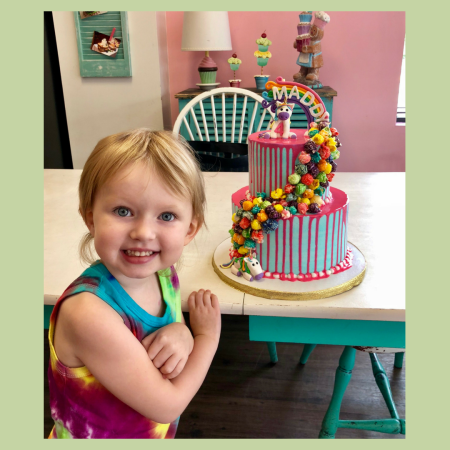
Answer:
(122, 362)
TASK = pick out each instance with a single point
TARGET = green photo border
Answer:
(427, 246)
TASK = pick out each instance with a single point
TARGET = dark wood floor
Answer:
(245, 396)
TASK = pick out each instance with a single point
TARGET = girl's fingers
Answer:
(215, 301)
(175, 372)
(191, 301)
(162, 357)
(154, 348)
(199, 298)
(169, 366)
(207, 298)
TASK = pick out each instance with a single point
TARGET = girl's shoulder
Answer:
(77, 318)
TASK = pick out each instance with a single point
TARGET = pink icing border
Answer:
(339, 268)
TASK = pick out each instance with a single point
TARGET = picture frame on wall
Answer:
(85, 14)
(100, 64)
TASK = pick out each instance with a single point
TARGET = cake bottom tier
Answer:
(306, 247)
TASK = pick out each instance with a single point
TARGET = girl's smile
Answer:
(139, 256)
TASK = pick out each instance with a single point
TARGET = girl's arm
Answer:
(169, 348)
(103, 343)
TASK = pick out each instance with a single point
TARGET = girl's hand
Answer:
(169, 348)
(204, 314)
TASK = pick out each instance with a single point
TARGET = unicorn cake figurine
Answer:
(246, 266)
(280, 125)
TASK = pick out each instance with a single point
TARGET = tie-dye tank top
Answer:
(80, 406)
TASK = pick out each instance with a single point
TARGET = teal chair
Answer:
(331, 421)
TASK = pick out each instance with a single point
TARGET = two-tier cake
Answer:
(289, 223)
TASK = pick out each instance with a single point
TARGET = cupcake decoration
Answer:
(234, 62)
(262, 58)
(263, 54)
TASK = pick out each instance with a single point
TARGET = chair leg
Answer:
(383, 384)
(307, 350)
(272, 346)
(343, 376)
(398, 364)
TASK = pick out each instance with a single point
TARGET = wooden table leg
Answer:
(343, 376)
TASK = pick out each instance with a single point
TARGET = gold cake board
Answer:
(292, 290)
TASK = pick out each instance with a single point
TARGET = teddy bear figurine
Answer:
(310, 57)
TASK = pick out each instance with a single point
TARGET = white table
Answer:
(375, 227)
(372, 314)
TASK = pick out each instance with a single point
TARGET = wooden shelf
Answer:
(324, 92)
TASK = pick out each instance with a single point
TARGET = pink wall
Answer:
(362, 61)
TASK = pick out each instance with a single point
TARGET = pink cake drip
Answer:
(339, 268)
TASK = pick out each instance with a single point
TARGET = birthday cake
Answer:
(289, 223)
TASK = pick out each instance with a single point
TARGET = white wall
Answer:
(164, 69)
(98, 107)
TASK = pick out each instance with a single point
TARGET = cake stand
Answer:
(292, 290)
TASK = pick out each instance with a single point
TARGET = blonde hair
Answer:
(168, 154)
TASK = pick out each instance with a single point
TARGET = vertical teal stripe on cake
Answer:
(263, 255)
(321, 244)
(287, 265)
(295, 240)
(259, 186)
(272, 181)
(253, 178)
(329, 243)
(291, 163)
(280, 247)
(305, 239)
(312, 248)
(343, 241)
(272, 267)
(278, 182)
(336, 230)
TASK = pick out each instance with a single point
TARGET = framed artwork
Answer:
(84, 14)
(95, 42)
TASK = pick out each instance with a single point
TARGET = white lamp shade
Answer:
(206, 31)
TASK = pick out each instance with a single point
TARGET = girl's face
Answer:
(138, 225)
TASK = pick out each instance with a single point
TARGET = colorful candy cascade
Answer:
(303, 194)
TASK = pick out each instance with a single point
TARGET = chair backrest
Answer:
(219, 95)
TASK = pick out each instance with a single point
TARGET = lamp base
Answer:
(207, 86)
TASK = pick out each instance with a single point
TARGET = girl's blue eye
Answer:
(167, 217)
(122, 212)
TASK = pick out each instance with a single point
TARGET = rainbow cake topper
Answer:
(298, 94)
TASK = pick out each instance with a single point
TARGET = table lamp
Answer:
(206, 31)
